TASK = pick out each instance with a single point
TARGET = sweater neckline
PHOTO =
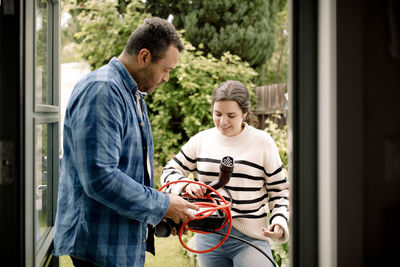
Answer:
(233, 140)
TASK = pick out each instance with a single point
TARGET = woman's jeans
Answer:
(233, 252)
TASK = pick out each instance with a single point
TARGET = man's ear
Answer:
(144, 57)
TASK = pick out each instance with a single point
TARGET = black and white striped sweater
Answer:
(258, 184)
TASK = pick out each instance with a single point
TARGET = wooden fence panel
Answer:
(271, 100)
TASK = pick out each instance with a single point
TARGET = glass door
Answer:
(42, 117)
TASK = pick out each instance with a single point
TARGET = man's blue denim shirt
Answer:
(104, 205)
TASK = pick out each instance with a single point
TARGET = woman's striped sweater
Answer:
(258, 184)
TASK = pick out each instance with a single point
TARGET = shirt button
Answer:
(144, 240)
(141, 124)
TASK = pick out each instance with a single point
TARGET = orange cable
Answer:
(204, 214)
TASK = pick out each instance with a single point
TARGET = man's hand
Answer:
(175, 231)
(178, 209)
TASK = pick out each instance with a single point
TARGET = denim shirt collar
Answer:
(130, 83)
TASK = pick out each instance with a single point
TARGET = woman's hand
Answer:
(195, 190)
(274, 232)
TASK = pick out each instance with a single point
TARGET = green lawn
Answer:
(168, 253)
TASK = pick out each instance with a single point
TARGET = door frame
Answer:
(35, 114)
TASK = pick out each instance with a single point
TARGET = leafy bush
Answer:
(279, 251)
(182, 107)
(281, 254)
(280, 137)
(104, 27)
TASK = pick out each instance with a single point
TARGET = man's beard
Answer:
(147, 75)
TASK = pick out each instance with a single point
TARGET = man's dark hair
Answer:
(156, 35)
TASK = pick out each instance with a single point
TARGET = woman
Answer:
(258, 184)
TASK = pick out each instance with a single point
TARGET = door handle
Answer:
(41, 187)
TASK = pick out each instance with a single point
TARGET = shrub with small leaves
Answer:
(279, 251)
(104, 28)
(182, 107)
(280, 137)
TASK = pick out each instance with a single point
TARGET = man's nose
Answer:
(165, 78)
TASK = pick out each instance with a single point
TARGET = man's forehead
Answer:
(171, 57)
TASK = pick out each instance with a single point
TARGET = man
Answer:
(105, 200)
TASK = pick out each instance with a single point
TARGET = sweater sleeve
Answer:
(179, 168)
(278, 190)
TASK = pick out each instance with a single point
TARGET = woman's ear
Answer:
(245, 118)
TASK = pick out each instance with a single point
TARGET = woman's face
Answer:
(228, 117)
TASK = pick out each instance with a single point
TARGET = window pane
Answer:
(42, 51)
(42, 192)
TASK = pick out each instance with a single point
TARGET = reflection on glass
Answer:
(42, 92)
(42, 193)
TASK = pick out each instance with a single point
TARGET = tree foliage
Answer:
(276, 68)
(182, 107)
(244, 28)
(105, 26)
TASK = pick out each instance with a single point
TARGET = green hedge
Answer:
(182, 107)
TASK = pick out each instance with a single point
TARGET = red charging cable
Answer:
(210, 208)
